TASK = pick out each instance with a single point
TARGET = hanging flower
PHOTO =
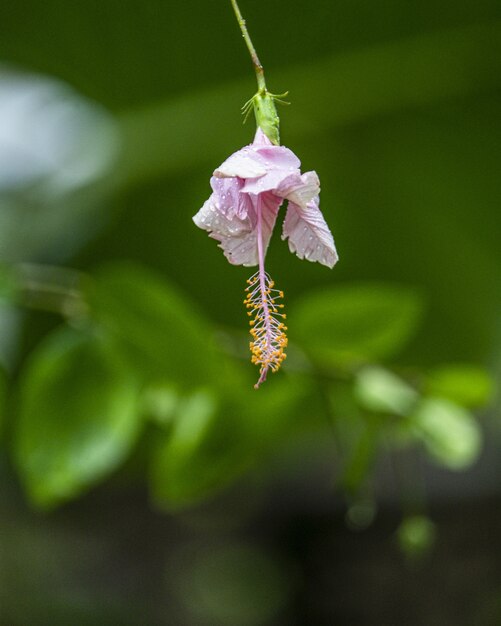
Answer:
(248, 190)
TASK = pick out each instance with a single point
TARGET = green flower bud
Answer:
(266, 115)
(263, 103)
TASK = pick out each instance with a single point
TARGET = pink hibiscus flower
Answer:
(248, 190)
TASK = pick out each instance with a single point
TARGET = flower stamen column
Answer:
(267, 330)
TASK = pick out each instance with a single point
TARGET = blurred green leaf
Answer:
(78, 416)
(201, 454)
(163, 333)
(377, 389)
(353, 323)
(160, 403)
(214, 438)
(416, 536)
(467, 385)
(193, 419)
(450, 433)
(280, 408)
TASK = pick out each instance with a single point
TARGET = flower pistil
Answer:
(267, 326)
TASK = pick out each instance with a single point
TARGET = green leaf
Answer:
(379, 390)
(164, 336)
(78, 416)
(203, 452)
(284, 406)
(213, 438)
(160, 404)
(450, 433)
(467, 385)
(355, 323)
(416, 536)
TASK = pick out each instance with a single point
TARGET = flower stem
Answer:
(250, 46)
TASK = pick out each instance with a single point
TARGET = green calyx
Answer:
(263, 103)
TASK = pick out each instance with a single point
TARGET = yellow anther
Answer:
(266, 328)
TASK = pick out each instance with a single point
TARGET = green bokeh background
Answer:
(144, 481)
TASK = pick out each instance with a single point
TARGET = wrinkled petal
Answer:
(309, 236)
(234, 234)
(282, 171)
(263, 175)
(238, 237)
(258, 159)
(271, 181)
(228, 199)
(245, 163)
(277, 157)
(300, 190)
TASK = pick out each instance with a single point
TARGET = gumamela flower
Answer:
(247, 192)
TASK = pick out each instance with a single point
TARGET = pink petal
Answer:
(245, 163)
(277, 157)
(282, 169)
(271, 181)
(300, 190)
(238, 237)
(258, 159)
(227, 197)
(309, 236)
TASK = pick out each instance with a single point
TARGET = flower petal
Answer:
(245, 163)
(277, 157)
(228, 199)
(238, 237)
(282, 172)
(300, 190)
(271, 181)
(309, 236)
(258, 159)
